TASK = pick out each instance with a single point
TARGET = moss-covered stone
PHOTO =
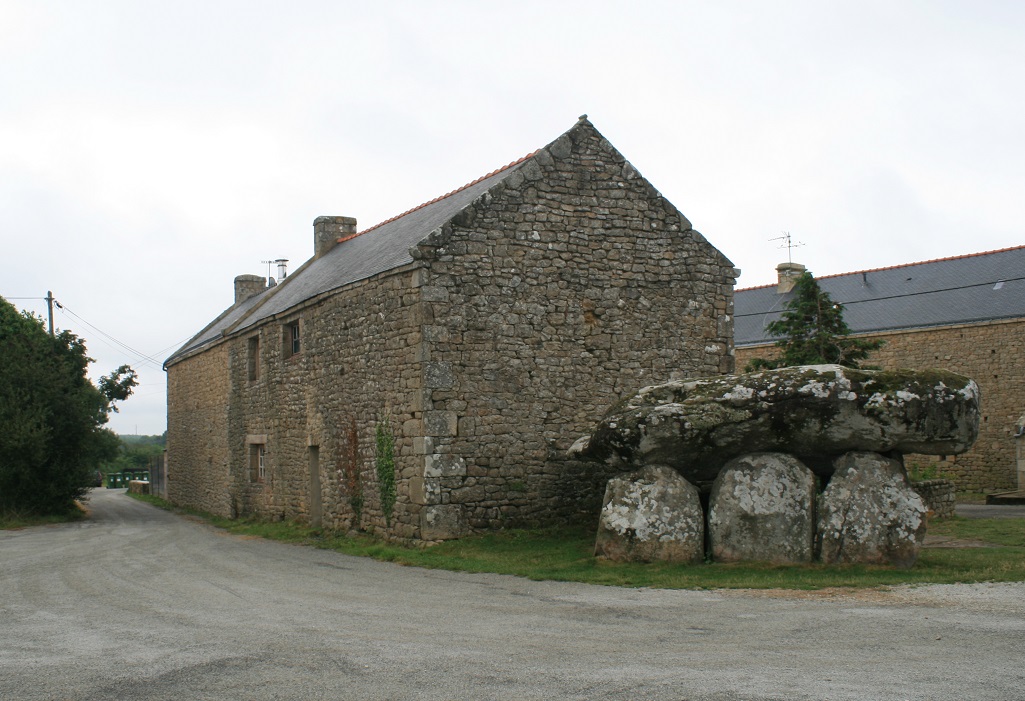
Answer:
(814, 412)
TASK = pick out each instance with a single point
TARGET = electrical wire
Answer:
(145, 359)
(901, 296)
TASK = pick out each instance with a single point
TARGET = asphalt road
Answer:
(140, 604)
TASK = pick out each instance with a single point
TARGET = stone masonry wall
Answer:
(992, 354)
(516, 327)
(357, 369)
(197, 432)
(939, 496)
(544, 302)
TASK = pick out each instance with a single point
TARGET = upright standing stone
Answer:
(762, 507)
(870, 514)
(653, 514)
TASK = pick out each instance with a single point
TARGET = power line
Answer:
(142, 356)
(903, 295)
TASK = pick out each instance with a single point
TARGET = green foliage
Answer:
(812, 331)
(118, 385)
(919, 471)
(386, 469)
(52, 438)
(129, 441)
(14, 520)
(135, 453)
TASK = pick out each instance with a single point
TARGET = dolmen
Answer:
(758, 448)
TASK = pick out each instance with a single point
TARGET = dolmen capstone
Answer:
(815, 412)
(763, 443)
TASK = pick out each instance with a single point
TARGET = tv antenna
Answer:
(282, 268)
(788, 243)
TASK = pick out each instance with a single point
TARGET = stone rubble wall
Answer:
(939, 495)
(992, 354)
(357, 369)
(197, 432)
(545, 302)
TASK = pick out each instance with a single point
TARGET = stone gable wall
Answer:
(992, 354)
(197, 431)
(546, 301)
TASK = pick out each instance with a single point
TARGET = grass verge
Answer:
(14, 520)
(566, 554)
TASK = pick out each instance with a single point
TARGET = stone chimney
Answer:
(248, 285)
(787, 274)
(327, 231)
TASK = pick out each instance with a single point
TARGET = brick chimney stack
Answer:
(248, 285)
(787, 274)
(327, 231)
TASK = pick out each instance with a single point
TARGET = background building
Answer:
(965, 314)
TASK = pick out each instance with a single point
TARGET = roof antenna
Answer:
(789, 243)
(282, 268)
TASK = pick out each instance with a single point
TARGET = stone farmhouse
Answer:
(424, 377)
(965, 314)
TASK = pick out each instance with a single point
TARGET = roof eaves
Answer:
(193, 344)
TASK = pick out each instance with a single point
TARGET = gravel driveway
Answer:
(139, 604)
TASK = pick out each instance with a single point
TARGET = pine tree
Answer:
(812, 331)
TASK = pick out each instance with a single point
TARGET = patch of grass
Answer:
(999, 531)
(566, 554)
(14, 520)
(971, 498)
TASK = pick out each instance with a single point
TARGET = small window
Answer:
(292, 339)
(257, 462)
(253, 359)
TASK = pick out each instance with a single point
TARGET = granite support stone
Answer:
(869, 514)
(651, 515)
(762, 507)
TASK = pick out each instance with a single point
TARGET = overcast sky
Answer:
(152, 151)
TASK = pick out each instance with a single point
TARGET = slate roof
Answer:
(382, 247)
(959, 290)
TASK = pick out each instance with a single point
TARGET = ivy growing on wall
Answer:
(386, 469)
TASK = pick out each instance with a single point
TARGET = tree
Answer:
(812, 331)
(52, 438)
(135, 453)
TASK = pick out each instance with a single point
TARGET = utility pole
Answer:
(49, 308)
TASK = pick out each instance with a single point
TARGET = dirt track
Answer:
(140, 604)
